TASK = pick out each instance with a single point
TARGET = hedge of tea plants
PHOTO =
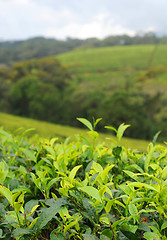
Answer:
(81, 189)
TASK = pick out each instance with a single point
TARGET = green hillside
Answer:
(38, 47)
(49, 130)
(113, 67)
(123, 84)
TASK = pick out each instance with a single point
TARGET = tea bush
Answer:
(81, 189)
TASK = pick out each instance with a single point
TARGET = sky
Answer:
(23, 19)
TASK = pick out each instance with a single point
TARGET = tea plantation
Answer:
(81, 189)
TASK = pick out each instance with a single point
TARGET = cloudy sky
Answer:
(22, 19)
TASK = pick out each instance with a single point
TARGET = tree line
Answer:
(44, 89)
(38, 47)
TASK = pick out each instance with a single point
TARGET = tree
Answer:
(123, 107)
(38, 88)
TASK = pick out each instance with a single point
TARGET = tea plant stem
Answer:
(76, 203)
(18, 219)
(25, 219)
(111, 227)
(118, 210)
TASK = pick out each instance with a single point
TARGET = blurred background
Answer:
(60, 60)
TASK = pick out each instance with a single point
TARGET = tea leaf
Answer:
(6, 193)
(104, 219)
(142, 185)
(33, 223)
(29, 154)
(164, 172)
(91, 191)
(73, 172)
(121, 130)
(52, 141)
(1, 234)
(91, 211)
(71, 224)
(11, 218)
(108, 206)
(155, 137)
(51, 182)
(133, 209)
(108, 233)
(97, 167)
(33, 209)
(3, 171)
(89, 237)
(102, 191)
(135, 166)
(132, 175)
(93, 134)
(50, 150)
(164, 225)
(17, 206)
(86, 123)
(96, 122)
(20, 232)
(148, 157)
(111, 128)
(9, 137)
(163, 194)
(47, 214)
(56, 236)
(155, 230)
(28, 130)
(104, 174)
(151, 236)
(129, 227)
(118, 222)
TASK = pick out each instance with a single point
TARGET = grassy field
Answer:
(117, 67)
(49, 130)
(115, 58)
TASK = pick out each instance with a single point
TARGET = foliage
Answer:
(116, 83)
(33, 87)
(81, 189)
(112, 82)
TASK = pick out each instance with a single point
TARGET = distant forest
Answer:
(38, 47)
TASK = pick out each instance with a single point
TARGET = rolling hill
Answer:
(49, 130)
(120, 84)
(130, 77)
(120, 66)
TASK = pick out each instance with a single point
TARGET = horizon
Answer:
(140, 34)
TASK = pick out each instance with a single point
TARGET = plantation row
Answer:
(81, 189)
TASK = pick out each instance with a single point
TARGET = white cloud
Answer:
(20, 2)
(20, 19)
(24, 18)
(100, 26)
